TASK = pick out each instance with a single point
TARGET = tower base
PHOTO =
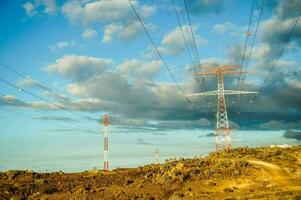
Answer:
(223, 140)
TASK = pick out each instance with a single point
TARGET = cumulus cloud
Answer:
(137, 69)
(125, 89)
(275, 31)
(29, 9)
(289, 8)
(28, 82)
(173, 42)
(281, 125)
(78, 68)
(48, 7)
(272, 36)
(115, 17)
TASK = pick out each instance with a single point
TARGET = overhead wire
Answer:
(194, 44)
(38, 97)
(274, 64)
(162, 59)
(187, 49)
(23, 104)
(41, 86)
(252, 45)
(238, 98)
(33, 81)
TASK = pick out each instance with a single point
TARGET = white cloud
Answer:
(139, 69)
(78, 68)
(89, 33)
(115, 16)
(109, 31)
(173, 42)
(62, 45)
(227, 27)
(32, 7)
(50, 6)
(29, 9)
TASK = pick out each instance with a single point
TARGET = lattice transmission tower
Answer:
(223, 140)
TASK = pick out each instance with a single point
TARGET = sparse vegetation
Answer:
(243, 173)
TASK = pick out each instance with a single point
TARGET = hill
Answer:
(243, 173)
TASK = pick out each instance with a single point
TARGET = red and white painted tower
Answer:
(105, 143)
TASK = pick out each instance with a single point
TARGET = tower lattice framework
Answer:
(223, 139)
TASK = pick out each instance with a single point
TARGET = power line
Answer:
(36, 96)
(194, 44)
(20, 103)
(160, 56)
(12, 111)
(41, 86)
(198, 58)
(255, 34)
(274, 64)
(251, 51)
(187, 48)
(186, 43)
(246, 43)
(33, 81)
(238, 98)
(277, 58)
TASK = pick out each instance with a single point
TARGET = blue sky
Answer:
(97, 58)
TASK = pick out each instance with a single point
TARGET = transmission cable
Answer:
(187, 48)
(238, 98)
(160, 56)
(275, 63)
(41, 86)
(36, 96)
(252, 47)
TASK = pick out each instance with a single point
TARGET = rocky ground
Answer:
(243, 173)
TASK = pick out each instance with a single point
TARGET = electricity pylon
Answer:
(106, 143)
(223, 140)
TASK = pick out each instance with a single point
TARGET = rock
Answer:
(228, 189)
(129, 181)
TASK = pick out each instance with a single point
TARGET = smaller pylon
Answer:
(106, 144)
(157, 152)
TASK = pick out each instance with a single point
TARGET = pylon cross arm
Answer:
(231, 92)
(226, 92)
(210, 93)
